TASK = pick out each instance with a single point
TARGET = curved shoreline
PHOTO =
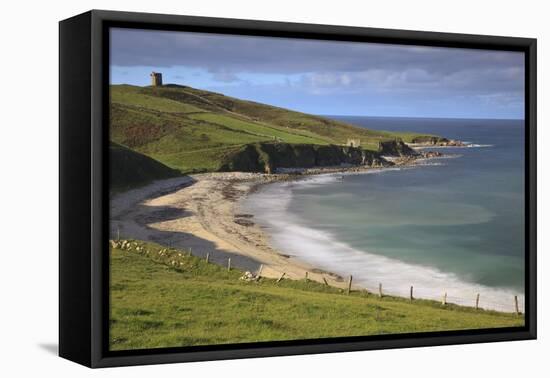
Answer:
(199, 212)
(323, 248)
(203, 213)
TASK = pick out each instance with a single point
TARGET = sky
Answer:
(328, 77)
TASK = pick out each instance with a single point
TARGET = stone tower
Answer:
(156, 79)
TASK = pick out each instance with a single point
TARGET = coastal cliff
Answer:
(395, 149)
(269, 157)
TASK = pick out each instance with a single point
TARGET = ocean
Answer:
(453, 225)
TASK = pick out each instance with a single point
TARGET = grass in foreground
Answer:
(164, 298)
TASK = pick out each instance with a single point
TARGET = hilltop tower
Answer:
(156, 79)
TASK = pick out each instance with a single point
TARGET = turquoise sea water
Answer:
(453, 225)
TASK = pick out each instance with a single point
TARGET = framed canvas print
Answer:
(233, 188)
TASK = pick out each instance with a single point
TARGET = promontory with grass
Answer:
(194, 131)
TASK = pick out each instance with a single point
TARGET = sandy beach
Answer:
(201, 213)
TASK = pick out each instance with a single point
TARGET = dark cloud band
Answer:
(330, 67)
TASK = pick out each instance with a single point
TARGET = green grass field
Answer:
(168, 299)
(185, 128)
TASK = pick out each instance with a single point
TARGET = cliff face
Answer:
(395, 148)
(268, 157)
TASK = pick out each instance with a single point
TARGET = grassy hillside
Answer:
(129, 169)
(165, 299)
(193, 130)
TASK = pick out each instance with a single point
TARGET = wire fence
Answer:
(487, 298)
(484, 298)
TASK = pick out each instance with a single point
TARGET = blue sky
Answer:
(327, 77)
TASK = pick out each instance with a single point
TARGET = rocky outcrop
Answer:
(431, 154)
(427, 140)
(249, 276)
(268, 157)
(452, 143)
(396, 149)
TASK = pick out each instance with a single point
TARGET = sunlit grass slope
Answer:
(165, 298)
(193, 130)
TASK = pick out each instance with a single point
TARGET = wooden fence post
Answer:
(380, 290)
(260, 271)
(444, 300)
(207, 257)
(325, 280)
(516, 303)
(190, 251)
(349, 283)
(306, 277)
(280, 278)
(477, 301)
(229, 264)
(411, 295)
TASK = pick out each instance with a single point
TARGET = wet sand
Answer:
(201, 213)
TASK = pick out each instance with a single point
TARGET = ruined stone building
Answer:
(353, 143)
(156, 79)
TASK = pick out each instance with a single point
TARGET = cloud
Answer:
(323, 68)
(481, 81)
(216, 52)
(224, 76)
(501, 100)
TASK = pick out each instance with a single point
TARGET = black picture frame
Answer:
(83, 196)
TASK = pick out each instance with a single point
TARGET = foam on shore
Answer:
(294, 236)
